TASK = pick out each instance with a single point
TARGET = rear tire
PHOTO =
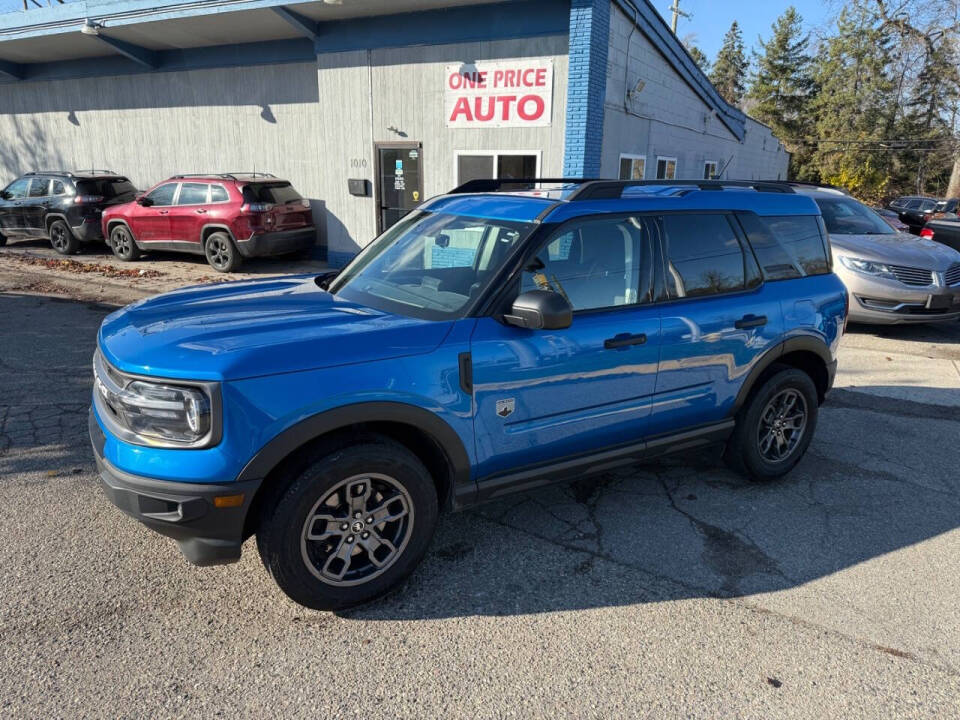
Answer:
(123, 245)
(221, 253)
(351, 526)
(775, 426)
(61, 239)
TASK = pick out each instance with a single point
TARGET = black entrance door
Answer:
(399, 181)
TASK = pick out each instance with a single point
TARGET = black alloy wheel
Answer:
(221, 253)
(775, 425)
(123, 244)
(62, 239)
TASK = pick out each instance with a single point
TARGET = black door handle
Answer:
(749, 321)
(624, 340)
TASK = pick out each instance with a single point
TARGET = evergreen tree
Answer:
(729, 70)
(855, 107)
(699, 58)
(782, 90)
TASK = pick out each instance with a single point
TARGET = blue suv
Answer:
(495, 339)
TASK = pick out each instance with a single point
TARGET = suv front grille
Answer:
(952, 276)
(912, 276)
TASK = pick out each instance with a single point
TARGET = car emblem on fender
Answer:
(505, 407)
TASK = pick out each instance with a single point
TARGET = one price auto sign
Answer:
(499, 94)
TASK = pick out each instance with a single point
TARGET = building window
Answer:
(632, 167)
(710, 170)
(666, 168)
(483, 165)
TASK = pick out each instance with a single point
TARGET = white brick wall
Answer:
(666, 117)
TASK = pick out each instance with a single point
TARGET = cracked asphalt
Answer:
(676, 589)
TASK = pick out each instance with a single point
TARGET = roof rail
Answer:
(50, 172)
(484, 185)
(225, 176)
(613, 189)
(94, 171)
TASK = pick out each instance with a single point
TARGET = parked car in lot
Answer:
(891, 277)
(945, 231)
(892, 219)
(914, 211)
(945, 209)
(64, 207)
(487, 343)
(226, 217)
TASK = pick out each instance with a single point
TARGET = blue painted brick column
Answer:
(586, 87)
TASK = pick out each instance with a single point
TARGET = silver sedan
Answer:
(891, 277)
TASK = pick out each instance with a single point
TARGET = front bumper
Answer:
(882, 301)
(207, 535)
(278, 243)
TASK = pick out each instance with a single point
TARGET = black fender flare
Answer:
(216, 227)
(805, 343)
(112, 222)
(297, 435)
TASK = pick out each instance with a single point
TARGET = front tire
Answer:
(775, 426)
(3, 239)
(351, 526)
(123, 244)
(61, 239)
(221, 253)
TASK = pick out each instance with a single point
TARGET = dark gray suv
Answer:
(62, 206)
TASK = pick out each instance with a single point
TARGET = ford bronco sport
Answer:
(495, 339)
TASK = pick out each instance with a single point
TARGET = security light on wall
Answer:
(637, 89)
(91, 27)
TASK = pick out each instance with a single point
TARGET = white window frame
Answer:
(495, 154)
(666, 159)
(716, 166)
(632, 157)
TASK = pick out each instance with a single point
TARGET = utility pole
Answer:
(677, 14)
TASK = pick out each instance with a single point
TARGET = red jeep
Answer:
(225, 217)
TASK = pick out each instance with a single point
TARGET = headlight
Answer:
(156, 412)
(867, 267)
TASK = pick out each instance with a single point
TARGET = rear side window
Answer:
(193, 194)
(39, 187)
(108, 188)
(787, 247)
(703, 256)
(218, 193)
(277, 193)
(57, 188)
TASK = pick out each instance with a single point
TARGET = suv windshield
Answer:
(846, 216)
(428, 265)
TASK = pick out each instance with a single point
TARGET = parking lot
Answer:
(665, 590)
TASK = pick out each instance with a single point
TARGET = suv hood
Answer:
(261, 327)
(898, 249)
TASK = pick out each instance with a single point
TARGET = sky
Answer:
(712, 18)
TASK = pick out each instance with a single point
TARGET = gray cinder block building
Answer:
(406, 98)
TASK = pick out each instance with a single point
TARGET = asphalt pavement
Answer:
(671, 590)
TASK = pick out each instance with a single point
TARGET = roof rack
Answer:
(592, 189)
(50, 172)
(613, 189)
(225, 176)
(93, 171)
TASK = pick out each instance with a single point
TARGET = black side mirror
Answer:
(540, 310)
(145, 201)
(5, 195)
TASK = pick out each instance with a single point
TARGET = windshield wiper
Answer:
(323, 281)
